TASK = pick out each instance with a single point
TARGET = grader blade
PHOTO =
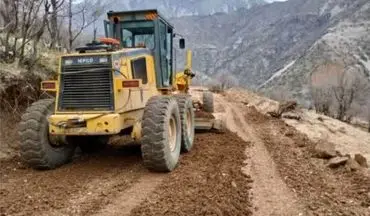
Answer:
(209, 122)
(202, 124)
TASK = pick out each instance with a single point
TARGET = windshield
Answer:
(138, 34)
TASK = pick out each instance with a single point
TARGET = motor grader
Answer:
(125, 84)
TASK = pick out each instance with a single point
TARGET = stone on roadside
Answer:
(361, 160)
(291, 115)
(337, 161)
(325, 150)
(352, 165)
(233, 184)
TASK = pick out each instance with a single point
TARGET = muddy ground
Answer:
(264, 168)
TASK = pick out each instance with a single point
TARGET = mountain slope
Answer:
(346, 43)
(176, 8)
(253, 48)
(251, 44)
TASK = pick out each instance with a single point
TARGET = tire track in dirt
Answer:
(322, 190)
(84, 187)
(130, 198)
(208, 181)
(271, 196)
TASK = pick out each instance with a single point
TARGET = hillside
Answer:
(177, 8)
(252, 48)
(345, 42)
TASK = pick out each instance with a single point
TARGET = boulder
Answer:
(337, 161)
(352, 165)
(291, 115)
(274, 114)
(325, 150)
(361, 160)
(287, 106)
(283, 108)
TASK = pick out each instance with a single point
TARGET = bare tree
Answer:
(322, 99)
(350, 87)
(26, 23)
(338, 89)
(320, 86)
(10, 15)
(53, 25)
(80, 16)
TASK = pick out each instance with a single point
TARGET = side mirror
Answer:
(182, 43)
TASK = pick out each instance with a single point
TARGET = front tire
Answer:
(36, 147)
(161, 128)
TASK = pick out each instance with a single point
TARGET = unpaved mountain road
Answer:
(266, 170)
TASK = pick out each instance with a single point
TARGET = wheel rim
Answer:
(53, 140)
(189, 124)
(172, 134)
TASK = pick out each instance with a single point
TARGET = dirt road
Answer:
(282, 156)
(207, 181)
(266, 170)
(276, 200)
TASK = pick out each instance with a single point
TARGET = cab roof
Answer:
(133, 13)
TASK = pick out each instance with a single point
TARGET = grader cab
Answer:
(126, 84)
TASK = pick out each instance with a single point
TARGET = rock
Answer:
(320, 119)
(352, 165)
(342, 130)
(337, 161)
(287, 106)
(274, 114)
(283, 107)
(361, 160)
(325, 150)
(294, 116)
(289, 133)
(233, 184)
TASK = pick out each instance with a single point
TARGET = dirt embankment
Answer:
(319, 189)
(322, 190)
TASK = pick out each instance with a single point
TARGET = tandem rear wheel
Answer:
(167, 128)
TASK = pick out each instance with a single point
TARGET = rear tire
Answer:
(208, 104)
(89, 144)
(35, 146)
(187, 122)
(161, 129)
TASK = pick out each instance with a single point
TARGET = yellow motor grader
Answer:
(125, 84)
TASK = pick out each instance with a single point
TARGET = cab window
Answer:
(138, 34)
(139, 69)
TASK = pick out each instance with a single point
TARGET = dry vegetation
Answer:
(340, 91)
(33, 33)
